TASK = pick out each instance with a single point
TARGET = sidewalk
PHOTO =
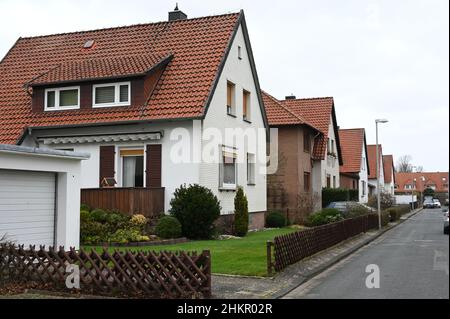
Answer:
(232, 287)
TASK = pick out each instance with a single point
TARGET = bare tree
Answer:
(404, 164)
(419, 169)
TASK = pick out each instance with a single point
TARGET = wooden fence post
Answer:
(269, 258)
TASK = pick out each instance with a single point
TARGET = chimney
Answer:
(177, 14)
(291, 97)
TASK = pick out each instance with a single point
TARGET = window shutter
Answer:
(153, 172)
(106, 162)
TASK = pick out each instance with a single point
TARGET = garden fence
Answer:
(119, 273)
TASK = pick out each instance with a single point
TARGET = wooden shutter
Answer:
(106, 162)
(153, 172)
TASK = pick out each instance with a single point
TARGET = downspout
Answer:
(36, 142)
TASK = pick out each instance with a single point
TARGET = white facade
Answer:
(32, 169)
(330, 166)
(373, 181)
(184, 142)
(364, 177)
(390, 187)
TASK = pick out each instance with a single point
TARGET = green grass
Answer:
(246, 256)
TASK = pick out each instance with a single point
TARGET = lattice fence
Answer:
(124, 273)
(291, 248)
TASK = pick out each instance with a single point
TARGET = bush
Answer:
(353, 195)
(325, 216)
(240, 213)
(276, 220)
(168, 227)
(330, 195)
(85, 207)
(404, 209)
(92, 232)
(99, 215)
(197, 208)
(358, 210)
(386, 201)
(126, 235)
(394, 214)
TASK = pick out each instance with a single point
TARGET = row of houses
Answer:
(153, 106)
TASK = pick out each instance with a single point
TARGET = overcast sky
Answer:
(378, 59)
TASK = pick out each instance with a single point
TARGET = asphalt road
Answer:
(413, 262)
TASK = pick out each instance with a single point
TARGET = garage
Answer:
(40, 196)
(27, 207)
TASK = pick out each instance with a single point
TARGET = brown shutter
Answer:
(153, 173)
(106, 162)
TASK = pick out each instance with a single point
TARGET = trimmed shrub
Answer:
(394, 213)
(240, 213)
(168, 227)
(276, 220)
(325, 216)
(99, 215)
(92, 232)
(357, 210)
(353, 195)
(126, 235)
(85, 207)
(330, 195)
(386, 201)
(197, 208)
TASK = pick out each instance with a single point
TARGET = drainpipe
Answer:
(36, 142)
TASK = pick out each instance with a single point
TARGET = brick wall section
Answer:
(349, 182)
(286, 188)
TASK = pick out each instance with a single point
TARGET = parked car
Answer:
(345, 207)
(446, 221)
(437, 203)
(428, 203)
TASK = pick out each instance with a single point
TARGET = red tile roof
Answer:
(198, 45)
(372, 153)
(318, 112)
(352, 143)
(389, 170)
(422, 180)
(92, 69)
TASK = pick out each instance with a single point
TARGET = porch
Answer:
(146, 201)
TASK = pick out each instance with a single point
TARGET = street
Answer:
(412, 260)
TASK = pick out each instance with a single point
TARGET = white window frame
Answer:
(223, 185)
(251, 165)
(116, 95)
(57, 107)
(120, 161)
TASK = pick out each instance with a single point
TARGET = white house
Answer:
(320, 112)
(389, 174)
(355, 169)
(40, 196)
(155, 105)
(373, 181)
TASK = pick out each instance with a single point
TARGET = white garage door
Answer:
(27, 207)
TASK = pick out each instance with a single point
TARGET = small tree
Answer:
(429, 192)
(196, 208)
(240, 213)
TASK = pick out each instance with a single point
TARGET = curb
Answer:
(306, 277)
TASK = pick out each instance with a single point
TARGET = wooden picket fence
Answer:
(291, 248)
(119, 273)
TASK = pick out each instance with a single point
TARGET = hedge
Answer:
(330, 195)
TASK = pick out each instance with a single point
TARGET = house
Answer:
(156, 106)
(373, 181)
(355, 169)
(406, 183)
(39, 196)
(289, 184)
(389, 174)
(320, 112)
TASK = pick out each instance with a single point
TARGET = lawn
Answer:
(246, 256)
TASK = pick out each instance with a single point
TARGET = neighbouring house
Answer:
(144, 101)
(320, 112)
(407, 183)
(373, 181)
(289, 185)
(389, 174)
(40, 196)
(355, 169)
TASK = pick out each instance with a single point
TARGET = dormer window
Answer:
(112, 94)
(59, 99)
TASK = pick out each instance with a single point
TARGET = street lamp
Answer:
(378, 121)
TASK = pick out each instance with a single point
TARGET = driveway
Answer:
(412, 260)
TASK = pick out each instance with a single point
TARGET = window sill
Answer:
(251, 184)
(226, 189)
(97, 106)
(247, 121)
(232, 115)
(60, 109)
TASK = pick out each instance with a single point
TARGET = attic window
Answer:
(113, 94)
(88, 44)
(67, 98)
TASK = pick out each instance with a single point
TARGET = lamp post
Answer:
(378, 121)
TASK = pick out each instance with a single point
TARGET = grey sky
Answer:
(378, 58)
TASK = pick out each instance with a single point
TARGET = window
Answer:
(62, 99)
(332, 147)
(306, 142)
(307, 181)
(228, 169)
(408, 186)
(363, 186)
(239, 52)
(363, 164)
(132, 167)
(334, 182)
(231, 103)
(251, 169)
(328, 181)
(107, 95)
(353, 184)
(246, 105)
